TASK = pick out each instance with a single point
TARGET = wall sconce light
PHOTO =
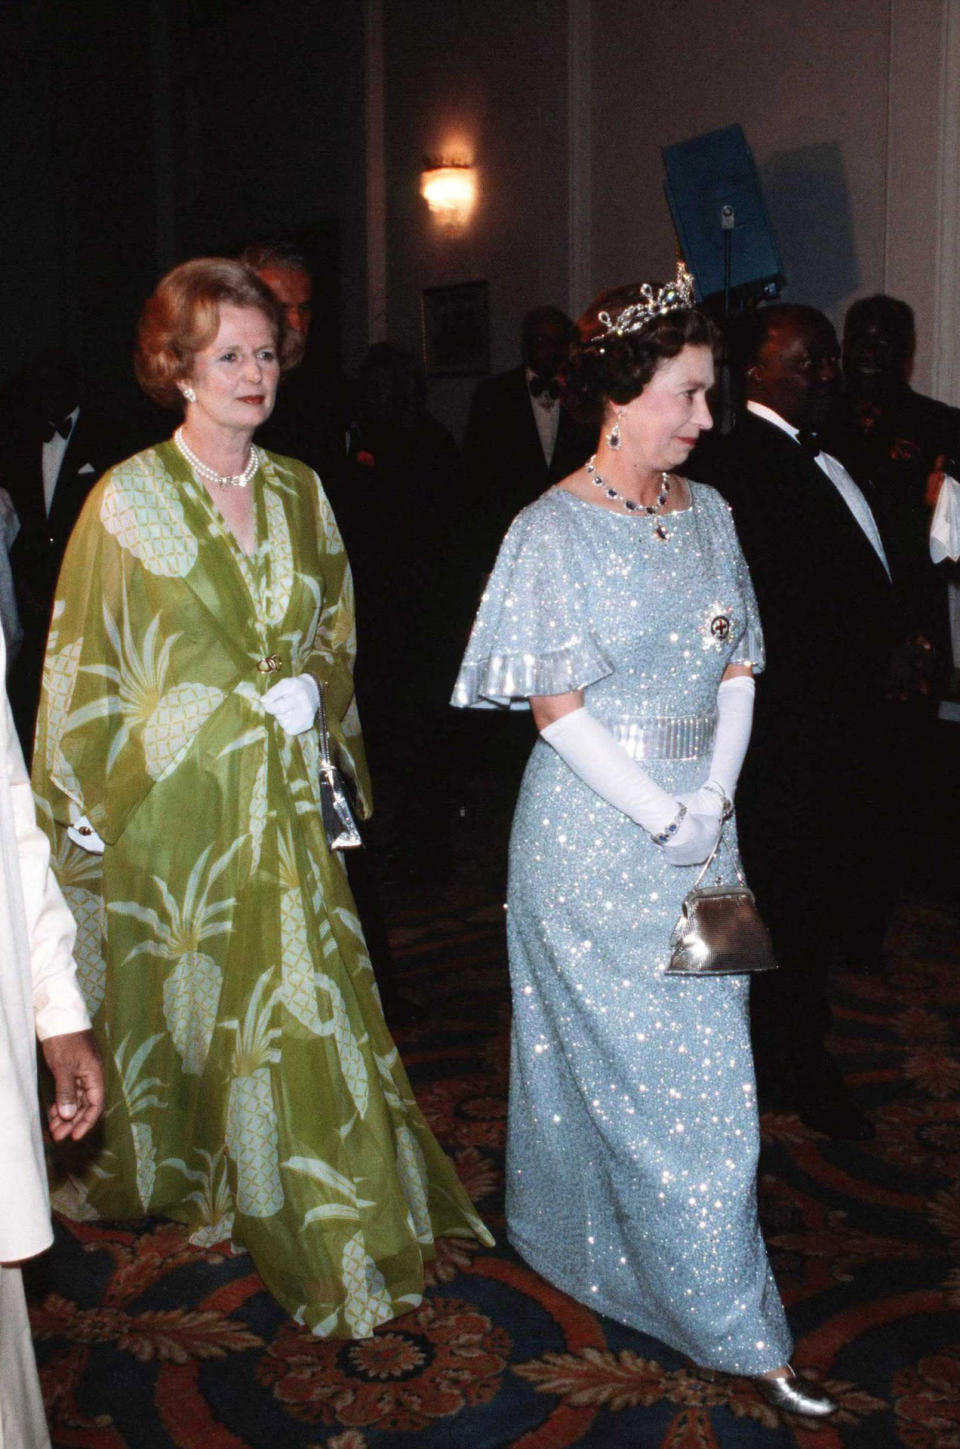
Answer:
(450, 191)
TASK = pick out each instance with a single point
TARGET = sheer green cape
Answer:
(254, 1092)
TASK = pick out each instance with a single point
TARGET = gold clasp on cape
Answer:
(270, 665)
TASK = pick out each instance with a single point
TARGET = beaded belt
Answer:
(666, 737)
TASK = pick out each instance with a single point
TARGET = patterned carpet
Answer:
(148, 1343)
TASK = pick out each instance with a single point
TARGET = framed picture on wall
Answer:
(456, 329)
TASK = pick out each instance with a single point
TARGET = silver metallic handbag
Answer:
(338, 822)
(719, 931)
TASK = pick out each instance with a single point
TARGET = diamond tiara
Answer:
(654, 302)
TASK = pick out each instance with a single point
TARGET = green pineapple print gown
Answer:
(253, 1089)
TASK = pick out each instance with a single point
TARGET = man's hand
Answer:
(74, 1060)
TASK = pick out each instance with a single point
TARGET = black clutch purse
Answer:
(719, 931)
(338, 822)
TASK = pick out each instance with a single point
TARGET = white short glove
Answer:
(293, 703)
(82, 833)
(591, 751)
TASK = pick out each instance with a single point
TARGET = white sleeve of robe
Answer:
(39, 996)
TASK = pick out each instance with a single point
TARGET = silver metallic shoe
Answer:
(794, 1395)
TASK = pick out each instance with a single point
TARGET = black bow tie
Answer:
(541, 385)
(809, 442)
(63, 428)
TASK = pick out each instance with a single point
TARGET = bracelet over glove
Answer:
(593, 754)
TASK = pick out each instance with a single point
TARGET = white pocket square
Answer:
(87, 468)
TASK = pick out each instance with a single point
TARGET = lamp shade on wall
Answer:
(451, 193)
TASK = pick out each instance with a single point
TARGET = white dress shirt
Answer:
(833, 469)
(53, 452)
(546, 415)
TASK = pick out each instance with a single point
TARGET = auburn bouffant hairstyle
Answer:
(183, 315)
(606, 368)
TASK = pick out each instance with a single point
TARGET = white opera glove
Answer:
(595, 756)
(708, 806)
(293, 703)
(695, 840)
(82, 833)
(734, 722)
(710, 800)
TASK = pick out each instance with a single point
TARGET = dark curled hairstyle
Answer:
(183, 315)
(610, 368)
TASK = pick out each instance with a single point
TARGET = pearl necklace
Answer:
(210, 475)
(652, 509)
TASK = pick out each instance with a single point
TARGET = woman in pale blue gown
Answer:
(621, 610)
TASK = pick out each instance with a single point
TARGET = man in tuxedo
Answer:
(520, 438)
(897, 443)
(812, 800)
(53, 448)
(306, 422)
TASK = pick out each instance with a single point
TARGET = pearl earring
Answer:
(613, 437)
(189, 394)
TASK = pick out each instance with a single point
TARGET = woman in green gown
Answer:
(253, 1090)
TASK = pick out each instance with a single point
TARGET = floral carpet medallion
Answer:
(430, 1364)
(927, 1402)
(145, 1342)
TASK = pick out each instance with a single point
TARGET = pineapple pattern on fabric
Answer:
(281, 560)
(147, 518)
(212, 1196)
(174, 722)
(59, 670)
(252, 1138)
(232, 992)
(297, 989)
(79, 876)
(367, 1297)
(191, 992)
(139, 1095)
(348, 1047)
(414, 1181)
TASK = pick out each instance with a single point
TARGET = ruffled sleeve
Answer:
(531, 636)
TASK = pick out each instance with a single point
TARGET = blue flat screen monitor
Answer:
(705, 175)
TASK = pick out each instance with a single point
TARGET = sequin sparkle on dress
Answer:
(633, 1132)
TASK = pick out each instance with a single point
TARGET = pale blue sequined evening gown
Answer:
(633, 1135)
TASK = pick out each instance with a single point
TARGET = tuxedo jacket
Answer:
(826, 604)
(37, 553)
(503, 456)
(908, 437)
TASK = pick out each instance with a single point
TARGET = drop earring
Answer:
(189, 394)
(613, 437)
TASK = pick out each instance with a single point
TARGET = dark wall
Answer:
(77, 240)
(140, 132)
